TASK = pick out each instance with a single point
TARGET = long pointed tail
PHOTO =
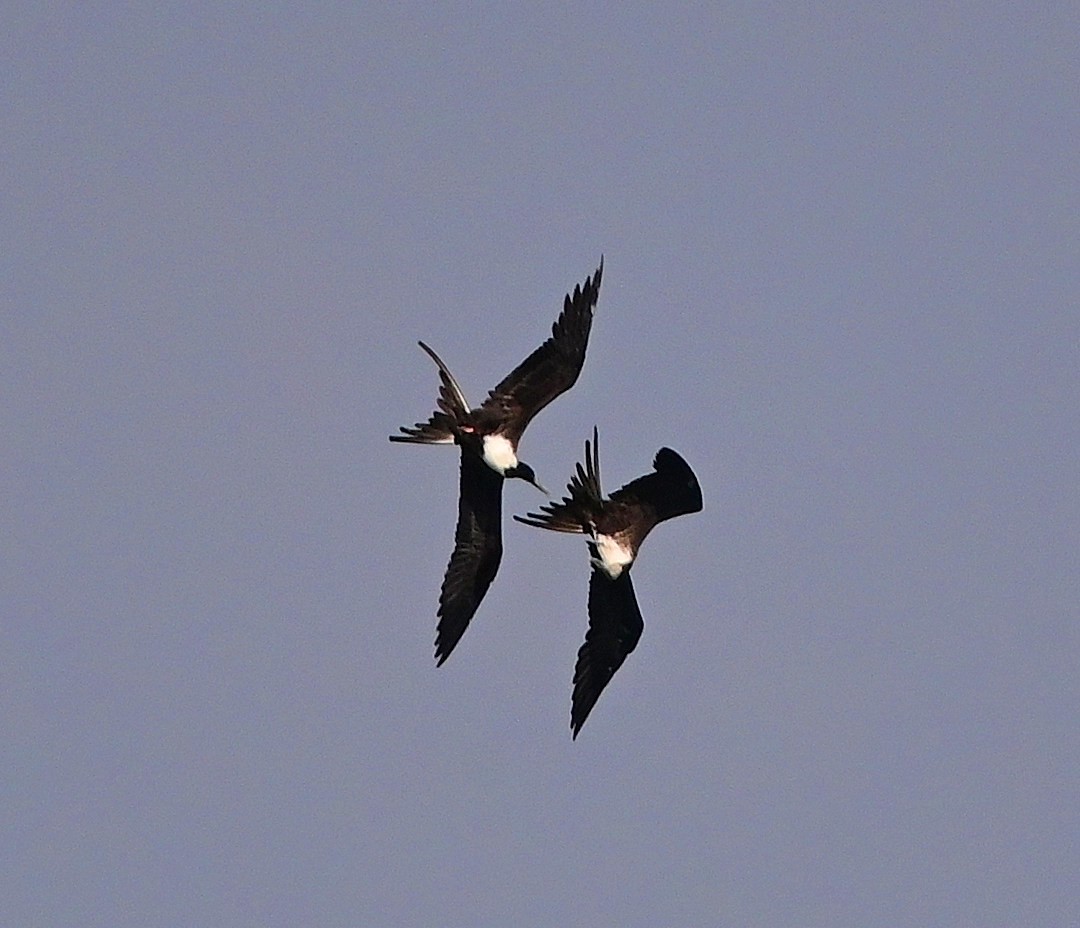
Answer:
(453, 408)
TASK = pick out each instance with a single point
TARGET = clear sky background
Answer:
(842, 278)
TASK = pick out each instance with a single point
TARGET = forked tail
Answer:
(453, 408)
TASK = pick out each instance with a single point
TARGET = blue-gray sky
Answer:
(841, 279)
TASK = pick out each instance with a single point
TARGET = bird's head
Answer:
(522, 471)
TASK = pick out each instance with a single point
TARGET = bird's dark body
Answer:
(550, 370)
(622, 522)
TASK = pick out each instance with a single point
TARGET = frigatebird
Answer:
(488, 437)
(615, 527)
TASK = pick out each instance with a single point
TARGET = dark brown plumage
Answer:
(477, 551)
(488, 437)
(616, 527)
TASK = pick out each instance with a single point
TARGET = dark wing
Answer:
(615, 626)
(578, 511)
(438, 430)
(554, 367)
(671, 489)
(477, 551)
(453, 408)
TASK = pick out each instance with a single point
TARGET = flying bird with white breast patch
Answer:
(488, 437)
(615, 528)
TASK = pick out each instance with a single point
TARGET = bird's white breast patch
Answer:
(499, 453)
(613, 556)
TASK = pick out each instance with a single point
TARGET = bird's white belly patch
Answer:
(499, 454)
(613, 556)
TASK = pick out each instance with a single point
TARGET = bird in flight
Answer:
(488, 437)
(615, 528)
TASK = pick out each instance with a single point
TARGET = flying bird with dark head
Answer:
(488, 437)
(615, 528)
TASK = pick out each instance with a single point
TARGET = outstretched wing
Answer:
(438, 430)
(578, 511)
(672, 489)
(477, 552)
(615, 627)
(553, 368)
(453, 408)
